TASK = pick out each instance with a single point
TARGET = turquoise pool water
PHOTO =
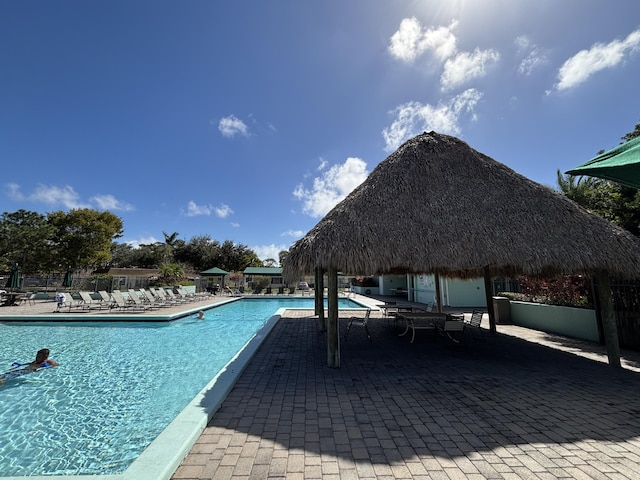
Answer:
(118, 385)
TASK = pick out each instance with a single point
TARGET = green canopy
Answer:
(15, 278)
(214, 272)
(620, 164)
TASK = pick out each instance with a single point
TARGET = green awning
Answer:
(620, 164)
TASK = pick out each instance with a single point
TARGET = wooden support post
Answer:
(333, 330)
(488, 292)
(319, 298)
(438, 293)
(609, 326)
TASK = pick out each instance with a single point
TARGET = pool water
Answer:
(117, 387)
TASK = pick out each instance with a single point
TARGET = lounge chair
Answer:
(70, 302)
(123, 304)
(153, 300)
(90, 303)
(138, 300)
(174, 297)
(162, 294)
(474, 323)
(361, 322)
(107, 300)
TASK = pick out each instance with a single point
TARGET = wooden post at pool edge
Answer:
(488, 292)
(333, 331)
(319, 298)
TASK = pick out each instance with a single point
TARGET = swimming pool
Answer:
(119, 385)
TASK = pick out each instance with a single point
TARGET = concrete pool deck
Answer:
(521, 405)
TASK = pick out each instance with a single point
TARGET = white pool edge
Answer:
(163, 456)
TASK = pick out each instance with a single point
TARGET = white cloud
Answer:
(466, 66)
(323, 164)
(109, 202)
(332, 187)
(223, 211)
(411, 40)
(49, 195)
(269, 251)
(585, 63)
(414, 117)
(235, 224)
(532, 56)
(65, 196)
(231, 126)
(193, 209)
(142, 241)
(292, 233)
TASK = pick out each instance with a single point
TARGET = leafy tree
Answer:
(28, 239)
(269, 262)
(84, 236)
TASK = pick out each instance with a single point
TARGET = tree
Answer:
(28, 239)
(84, 236)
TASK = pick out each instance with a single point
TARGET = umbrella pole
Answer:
(319, 298)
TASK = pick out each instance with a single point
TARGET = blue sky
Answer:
(248, 120)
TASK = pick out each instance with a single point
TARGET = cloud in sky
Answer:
(600, 56)
(532, 56)
(466, 67)
(194, 210)
(293, 233)
(331, 187)
(66, 197)
(142, 241)
(232, 126)
(109, 202)
(413, 118)
(412, 40)
(223, 211)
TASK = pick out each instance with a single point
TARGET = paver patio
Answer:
(506, 408)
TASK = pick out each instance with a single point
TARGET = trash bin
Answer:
(502, 310)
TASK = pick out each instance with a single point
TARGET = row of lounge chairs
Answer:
(131, 300)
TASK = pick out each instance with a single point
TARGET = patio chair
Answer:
(452, 328)
(361, 322)
(474, 323)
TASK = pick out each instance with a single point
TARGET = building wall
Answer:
(464, 293)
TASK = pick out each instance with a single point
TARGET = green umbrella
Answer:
(14, 279)
(620, 164)
(68, 279)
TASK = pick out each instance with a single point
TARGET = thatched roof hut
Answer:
(438, 206)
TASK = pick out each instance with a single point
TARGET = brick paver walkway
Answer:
(505, 408)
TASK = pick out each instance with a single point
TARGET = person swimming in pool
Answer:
(42, 361)
(200, 315)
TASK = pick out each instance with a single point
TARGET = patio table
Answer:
(420, 321)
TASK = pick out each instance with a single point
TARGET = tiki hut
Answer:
(438, 206)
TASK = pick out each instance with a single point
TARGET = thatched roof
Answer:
(436, 204)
